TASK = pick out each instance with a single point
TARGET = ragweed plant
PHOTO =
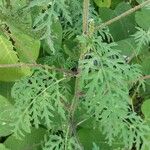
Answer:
(77, 83)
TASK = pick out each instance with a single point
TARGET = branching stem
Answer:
(75, 100)
(85, 32)
(17, 65)
(128, 12)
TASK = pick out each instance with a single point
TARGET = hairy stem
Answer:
(85, 16)
(17, 65)
(75, 100)
(85, 32)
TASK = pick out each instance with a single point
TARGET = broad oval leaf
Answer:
(122, 28)
(6, 50)
(143, 18)
(26, 46)
(6, 109)
(145, 65)
(30, 141)
(88, 136)
(127, 47)
(9, 56)
(5, 89)
(146, 109)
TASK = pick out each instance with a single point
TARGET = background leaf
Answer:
(5, 89)
(88, 135)
(145, 109)
(26, 46)
(5, 116)
(122, 28)
(143, 18)
(127, 46)
(9, 56)
(30, 141)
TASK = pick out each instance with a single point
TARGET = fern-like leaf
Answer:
(58, 143)
(45, 19)
(106, 79)
(142, 38)
(37, 100)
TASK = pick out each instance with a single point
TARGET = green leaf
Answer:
(145, 109)
(17, 16)
(71, 49)
(2, 147)
(145, 65)
(143, 18)
(6, 109)
(144, 59)
(88, 136)
(103, 3)
(122, 28)
(9, 56)
(5, 88)
(95, 147)
(30, 141)
(45, 93)
(7, 52)
(26, 46)
(127, 46)
(56, 36)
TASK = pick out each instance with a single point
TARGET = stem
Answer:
(82, 121)
(145, 77)
(85, 32)
(66, 137)
(126, 13)
(17, 65)
(74, 103)
(85, 16)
